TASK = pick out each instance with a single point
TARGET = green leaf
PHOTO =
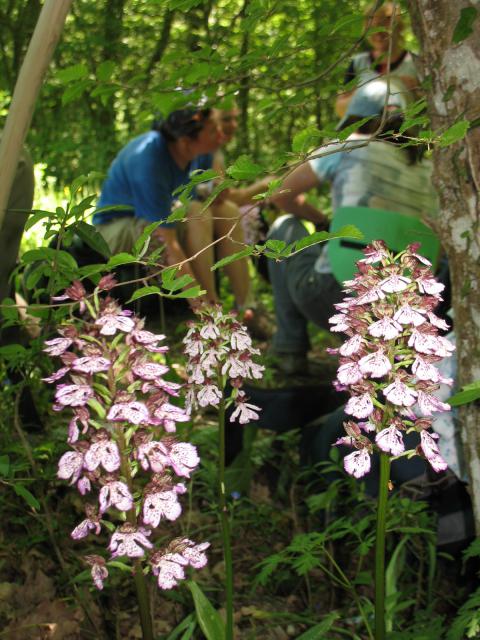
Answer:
(305, 140)
(121, 258)
(44, 253)
(187, 625)
(93, 238)
(98, 407)
(454, 133)
(74, 91)
(348, 231)
(143, 241)
(193, 292)
(235, 256)
(9, 309)
(13, 352)
(244, 169)
(318, 631)
(468, 394)
(464, 26)
(144, 291)
(29, 498)
(36, 217)
(120, 565)
(208, 618)
(4, 465)
(105, 70)
(75, 72)
(179, 213)
(183, 5)
(179, 283)
(36, 274)
(347, 131)
(276, 245)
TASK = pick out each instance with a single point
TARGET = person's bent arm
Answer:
(342, 103)
(292, 196)
(174, 253)
(243, 195)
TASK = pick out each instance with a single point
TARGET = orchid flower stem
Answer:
(224, 519)
(139, 577)
(380, 547)
(143, 602)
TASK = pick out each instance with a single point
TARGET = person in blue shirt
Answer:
(140, 185)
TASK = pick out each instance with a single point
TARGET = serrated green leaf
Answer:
(89, 234)
(305, 140)
(74, 72)
(179, 283)
(276, 245)
(464, 26)
(105, 70)
(4, 465)
(454, 133)
(74, 91)
(144, 291)
(208, 618)
(244, 169)
(29, 498)
(244, 253)
(168, 276)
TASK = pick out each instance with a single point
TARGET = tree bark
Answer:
(40, 50)
(451, 73)
(243, 98)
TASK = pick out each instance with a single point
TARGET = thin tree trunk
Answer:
(452, 72)
(161, 46)
(39, 53)
(243, 138)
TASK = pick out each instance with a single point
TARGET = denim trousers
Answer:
(301, 294)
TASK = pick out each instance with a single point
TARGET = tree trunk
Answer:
(40, 50)
(450, 67)
(243, 98)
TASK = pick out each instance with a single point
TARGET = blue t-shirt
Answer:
(142, 178)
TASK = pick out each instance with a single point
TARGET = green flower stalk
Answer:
(219, 349)
(387, 364)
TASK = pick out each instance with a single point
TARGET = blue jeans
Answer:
(300, 293)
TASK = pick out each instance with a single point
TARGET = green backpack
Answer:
(395, 229)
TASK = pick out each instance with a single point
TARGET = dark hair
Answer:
(390, 131)
(182, 122)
